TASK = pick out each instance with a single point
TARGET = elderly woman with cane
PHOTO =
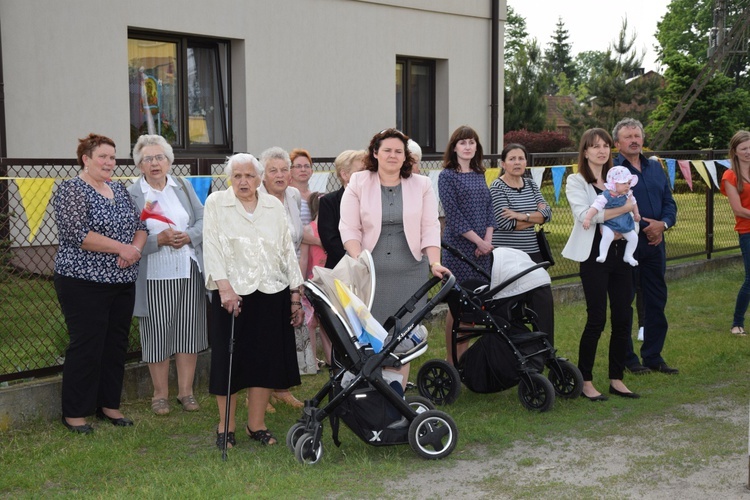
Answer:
(253, 275)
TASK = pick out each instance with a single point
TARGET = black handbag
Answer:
(544, 248)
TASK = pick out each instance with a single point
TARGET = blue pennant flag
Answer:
(558, 173)
(671, 163)
(201, 185)
(724, 163)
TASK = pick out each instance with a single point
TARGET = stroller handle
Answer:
(491, 292)
(449, 282)
(410, 304)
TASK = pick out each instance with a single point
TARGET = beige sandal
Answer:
(189, 403)
(160, 406)
(738, 331)
(286, 397)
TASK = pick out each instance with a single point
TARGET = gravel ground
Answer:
(661, 462)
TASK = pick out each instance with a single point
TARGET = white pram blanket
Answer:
(508, 262)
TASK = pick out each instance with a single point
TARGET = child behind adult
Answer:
(316, 257)
(617, 192)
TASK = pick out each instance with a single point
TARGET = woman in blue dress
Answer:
(469, 221)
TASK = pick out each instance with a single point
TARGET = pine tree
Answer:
(526, 79)
(559, 58)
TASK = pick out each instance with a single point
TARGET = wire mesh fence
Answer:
(33, 337)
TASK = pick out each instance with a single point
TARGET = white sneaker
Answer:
(640, 334)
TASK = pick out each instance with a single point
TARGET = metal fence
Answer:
(33, 337)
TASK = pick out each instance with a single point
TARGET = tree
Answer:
(684, 29)
(515, 35)
(526, 80)
(720, 109)
(559, 58)
(716, 115)
(610, 91)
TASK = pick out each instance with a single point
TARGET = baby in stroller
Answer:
(359, 391)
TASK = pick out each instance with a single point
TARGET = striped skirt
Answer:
(176, 321)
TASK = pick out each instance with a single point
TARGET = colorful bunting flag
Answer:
(671, 170)
(558, 173)
(685, 169)
(724, 163)
(537, 173)
(701, 169)
(35, 195)
(711, 167)
(201, 186)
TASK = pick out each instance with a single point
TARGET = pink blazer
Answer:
(361, 212)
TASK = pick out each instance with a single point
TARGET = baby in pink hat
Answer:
(617, 193)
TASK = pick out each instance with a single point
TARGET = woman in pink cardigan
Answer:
(393, 214)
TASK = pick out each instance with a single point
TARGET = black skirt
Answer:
(264, 347)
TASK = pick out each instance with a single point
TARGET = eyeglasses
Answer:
(303, 165)
(149, 159)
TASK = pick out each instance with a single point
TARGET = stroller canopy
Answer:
(508, 262)
(357, 274)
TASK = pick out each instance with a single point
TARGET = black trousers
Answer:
(98, 317)
(542, 302)
(612, 278)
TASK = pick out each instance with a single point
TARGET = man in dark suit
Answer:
(659, 212)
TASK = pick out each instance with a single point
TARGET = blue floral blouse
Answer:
(80, 209)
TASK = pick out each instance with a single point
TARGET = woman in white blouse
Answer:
(252, 270)
(170, 297)
(276, 180)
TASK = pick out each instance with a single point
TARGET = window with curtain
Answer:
(179, 90)
(415, 100)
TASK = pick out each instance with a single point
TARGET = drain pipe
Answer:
(495, 54)
(3, 150)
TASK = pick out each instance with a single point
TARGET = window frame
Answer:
(183, 42)
(405, 101)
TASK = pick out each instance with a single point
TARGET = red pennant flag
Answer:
(152, 210)
(685, 169)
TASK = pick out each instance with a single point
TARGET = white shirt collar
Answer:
(145, 186)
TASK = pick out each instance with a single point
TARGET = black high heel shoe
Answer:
(631, 395)
(79, 429)
(117, 422)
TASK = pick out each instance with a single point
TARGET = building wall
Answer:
(305, 73)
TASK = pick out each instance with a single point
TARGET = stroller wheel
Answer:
(439, 382)
(419, 404)
(568, 383)
(305, 450)
(295, 432)
(536, 393)
(433, 434)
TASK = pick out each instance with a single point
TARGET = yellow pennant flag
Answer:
(35, 195)
(491, 174)
(701, 169)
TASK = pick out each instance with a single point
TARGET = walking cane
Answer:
(229, 391)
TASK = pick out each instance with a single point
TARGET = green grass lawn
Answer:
(174, 456)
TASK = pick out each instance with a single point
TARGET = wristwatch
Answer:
(528, 216)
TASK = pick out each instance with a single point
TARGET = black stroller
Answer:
(508, 349)
(358, 392)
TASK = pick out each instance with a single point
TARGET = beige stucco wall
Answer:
(305, 73)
